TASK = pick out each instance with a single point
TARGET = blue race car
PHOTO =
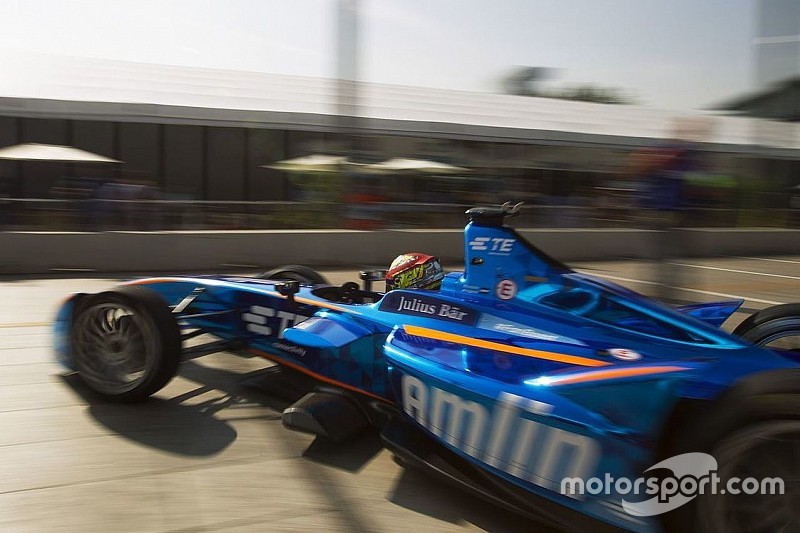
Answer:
(556, 394)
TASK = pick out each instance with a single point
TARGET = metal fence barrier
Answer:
(37, 214)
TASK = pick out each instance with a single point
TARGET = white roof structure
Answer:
(81, 88)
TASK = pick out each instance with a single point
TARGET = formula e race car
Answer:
(541, 389)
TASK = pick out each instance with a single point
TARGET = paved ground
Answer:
(209, 452)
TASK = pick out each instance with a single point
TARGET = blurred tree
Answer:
(531, 81)
(592, 93)
(526, 81)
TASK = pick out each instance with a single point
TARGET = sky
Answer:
(672, 54)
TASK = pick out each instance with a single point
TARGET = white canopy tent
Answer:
(52, 152)
(416, 165)
(313, 163)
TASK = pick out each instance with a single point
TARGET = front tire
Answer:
(300, 273)
(126, 345)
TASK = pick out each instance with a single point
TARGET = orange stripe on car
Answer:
(609, 373)
(500, 347)
(326, 305)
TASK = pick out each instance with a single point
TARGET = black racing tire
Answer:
(777, 326)
(761, 451)
(300, 273)
(126, 344)
(750, 436)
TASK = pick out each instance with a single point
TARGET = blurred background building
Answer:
(206, 134)
(777, 41)
(188, 134)
(777, 64)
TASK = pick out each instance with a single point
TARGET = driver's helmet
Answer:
(414, 271)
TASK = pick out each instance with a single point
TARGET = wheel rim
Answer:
(769, 450)
(115, 347)
(787, 339)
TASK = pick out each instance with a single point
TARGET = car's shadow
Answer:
(427, 495)
(351, 455)
(175, 426)
(192, 429)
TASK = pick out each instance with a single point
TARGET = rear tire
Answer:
(752, 432)
(126, 345)
(774, 327)
(300, 273)
(759, 451)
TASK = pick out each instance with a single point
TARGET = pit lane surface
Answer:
(209, 453)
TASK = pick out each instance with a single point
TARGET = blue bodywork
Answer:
(519, 365)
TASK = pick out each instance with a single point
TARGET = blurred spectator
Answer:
(126, 204)
(362, 201)
(661, 180)
(75, 210)
(148, 212)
